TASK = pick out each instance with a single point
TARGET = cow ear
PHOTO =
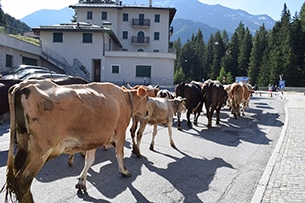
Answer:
(141, 91)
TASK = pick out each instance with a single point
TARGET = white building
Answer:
(114, 42)
(14, 52)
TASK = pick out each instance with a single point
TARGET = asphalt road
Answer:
(221, 164)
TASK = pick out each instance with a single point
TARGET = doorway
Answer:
(96, 70)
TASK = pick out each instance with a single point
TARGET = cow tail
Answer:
(198, 106)
(11, 182)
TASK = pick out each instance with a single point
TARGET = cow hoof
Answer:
(174, 146)
(70, 163)
(81, 187)
(126, 175)
(151, 147)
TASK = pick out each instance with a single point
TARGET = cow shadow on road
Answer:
(188, 175)
(184, 175)
(250, 128)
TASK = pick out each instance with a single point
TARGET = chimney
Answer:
(150, 3)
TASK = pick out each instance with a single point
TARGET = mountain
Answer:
(48, 17)
(184, 29)
(191, 15)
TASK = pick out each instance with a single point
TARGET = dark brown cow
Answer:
(6, 84)
(194, 101)
(215, 97)
(160, 111)
(48, 120)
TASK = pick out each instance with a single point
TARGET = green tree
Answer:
(179, 76)
(218, 52)
(257, 53)
(245, 52)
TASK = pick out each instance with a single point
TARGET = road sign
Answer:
(281, 84)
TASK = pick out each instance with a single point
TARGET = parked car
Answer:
(22, 70)
(44, 75)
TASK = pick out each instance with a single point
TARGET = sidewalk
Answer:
(283, 180)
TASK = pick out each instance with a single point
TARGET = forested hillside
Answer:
(10, 25)
(266, 57)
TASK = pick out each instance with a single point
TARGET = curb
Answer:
(262, 184)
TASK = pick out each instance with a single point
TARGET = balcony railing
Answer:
(140, 22)
(140, 40)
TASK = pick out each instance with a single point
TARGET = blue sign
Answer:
(242, 79)
(281, 84)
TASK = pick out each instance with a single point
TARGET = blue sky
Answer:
(273, 8)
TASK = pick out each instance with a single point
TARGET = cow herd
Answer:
(48, 118)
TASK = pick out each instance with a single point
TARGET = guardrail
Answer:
(271, 94)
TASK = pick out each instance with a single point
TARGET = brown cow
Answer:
(160, 111)
(236, 97)
(48, 120)
(214, 96)
(247, 92)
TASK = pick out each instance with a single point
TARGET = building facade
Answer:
(114, 42)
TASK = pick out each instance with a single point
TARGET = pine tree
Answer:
(244, 53)
(257, 53)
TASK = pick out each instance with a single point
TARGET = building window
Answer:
(104, 15)
(9, 60)
(87, 37)
(156, 50)
(115, 69)
(143, 71)
(157, 18)
(125, 34)
(89, 15)
(125, 17)
(156, 35)
(57, 37)
(29, 61)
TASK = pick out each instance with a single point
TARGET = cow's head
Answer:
(138, 99)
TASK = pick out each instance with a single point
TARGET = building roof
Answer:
(78, 27)
(172, 11)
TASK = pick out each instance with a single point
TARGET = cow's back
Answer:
(214, 93)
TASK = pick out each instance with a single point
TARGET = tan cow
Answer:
(235, 97)
(247, 92)
(160, 111)
(48, 120)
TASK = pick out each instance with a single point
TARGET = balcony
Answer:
(141, 23)
(140, 40)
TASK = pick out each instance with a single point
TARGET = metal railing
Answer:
(61, 62)
(141, 22)
(140, 40)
